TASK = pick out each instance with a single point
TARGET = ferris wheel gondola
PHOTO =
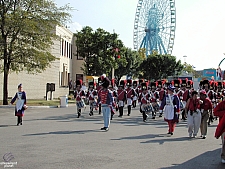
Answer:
(154, 26)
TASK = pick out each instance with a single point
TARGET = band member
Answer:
(219, 111)
(171, 104)
(99, 88)
(121, 98)
(92, 96)
(209, 94)
(135, 87)
(154, 98)
(193, 112)
(20, 96)
(206, 109)
(144, 100)
(179, 92)
(79, 95)
(129, 95)
(106, 99)
(162, 92)
(186, 87)
(114, 95)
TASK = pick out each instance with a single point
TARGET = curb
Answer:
(29, 107)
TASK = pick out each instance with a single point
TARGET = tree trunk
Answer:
(5, 83)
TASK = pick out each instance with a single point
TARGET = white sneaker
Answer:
(223, 161)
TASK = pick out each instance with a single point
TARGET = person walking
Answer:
(20, 96)
(206, 110)
(192, 109)
(106, 100)
(171, 104)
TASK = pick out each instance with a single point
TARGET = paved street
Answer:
(53, 138)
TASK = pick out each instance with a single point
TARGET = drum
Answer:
(80, 104)
(156, 106)
(147, 108)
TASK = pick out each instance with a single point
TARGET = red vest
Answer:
(121, 94)
(78, 95)
(185, 95)
(104, 95)
(91, 94)
(144, 98)
(129, 93)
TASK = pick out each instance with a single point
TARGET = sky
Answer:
(200, 26)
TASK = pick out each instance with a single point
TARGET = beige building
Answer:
(62, 70)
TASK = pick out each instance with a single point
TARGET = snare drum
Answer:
(147, 108)
(156, 106)
(80, 104)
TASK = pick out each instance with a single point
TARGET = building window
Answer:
(71, 51)
(79, 57)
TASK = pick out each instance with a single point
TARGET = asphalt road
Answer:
(53, 138)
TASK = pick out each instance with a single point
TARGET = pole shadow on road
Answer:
(64, 132)
(207, 160)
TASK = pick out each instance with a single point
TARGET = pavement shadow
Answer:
(207, 160)
(64, 132)
(169, 139)
(147, 136)
(8, 125)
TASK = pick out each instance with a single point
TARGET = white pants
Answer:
(120, 103)
(129, 102)
(194, 123)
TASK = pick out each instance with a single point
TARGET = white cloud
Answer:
(75, 26)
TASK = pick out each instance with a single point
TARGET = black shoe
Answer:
(103, 128)
(160, 115)
(120, 116)
(21, 123)
(111, 117)
(18, 124)
(153, 117)
(170, 133)
(100, 113)
(90, 114)
(128, 114)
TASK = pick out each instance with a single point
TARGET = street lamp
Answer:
(184, 58)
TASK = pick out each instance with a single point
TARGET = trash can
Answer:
(63, 101)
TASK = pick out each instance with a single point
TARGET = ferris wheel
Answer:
(154, 26)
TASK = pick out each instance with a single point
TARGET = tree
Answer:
(128, 63)
(27, 34)
(160, 66)
(99, 49)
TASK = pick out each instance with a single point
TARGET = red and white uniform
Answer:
(79, 95)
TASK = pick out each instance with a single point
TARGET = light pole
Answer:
(184, 58)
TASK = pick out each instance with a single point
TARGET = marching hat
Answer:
(92, 84)
(105, 82)
(78, 83)
(184, 82)
(219, 84)
(140, 81)
(144, 86)
(189, 84)
(205, 83)
(129, 82)
(176, 83)
(212, 84)
(122, 83)
(99, 81)
(153, 85)
(135, 83)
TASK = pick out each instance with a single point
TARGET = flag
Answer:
(219, 72)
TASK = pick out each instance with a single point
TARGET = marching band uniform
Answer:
(193, 115)
(219, 111)
(144, 99)
(121, 98)
(206, 109)
(99, 88)
(20, 96)
(92, 96)
(179, 92)
(209, 94)
(162, 93)
(106, 99)
(154, 98)
(171, 104)
(79, 95)
(129, 95)
(134, 103)
(186, 95)
(140, 81)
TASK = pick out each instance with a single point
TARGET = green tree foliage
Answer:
(189, 69)
(128, 63)
(27, 34)
(98, 48)
(160, 66)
